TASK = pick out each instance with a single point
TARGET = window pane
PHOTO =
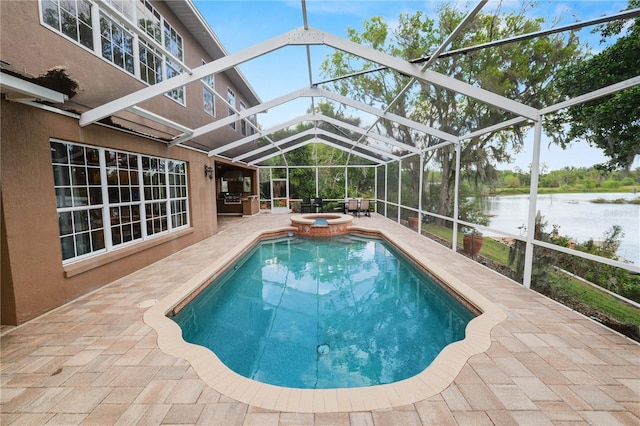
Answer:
(69, 25)
(84, 12)
(114, 195)
(125, 194)
(80, 221)
(80, 197)
(95, 195)
(78, 176)
(137, 230)
(59, 153)
(111, 158)
(50, 14)
(124, 177)
(93, 157)
(116, 235)
(125, 214)
(68, 250)
(97, 240)
(112, 176)
(114, 212)
(96, 218)
(93, 175)
(63, 197)
(65, 223)
(61, 176)
(127, 233)
(86, 36)
(83, 243)
(76, 154)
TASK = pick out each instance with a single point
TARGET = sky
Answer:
(240, 24)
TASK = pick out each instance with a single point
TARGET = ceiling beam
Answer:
(314, 140)
(214, 67)
(626, 84)
(429, 76)
(315, 117)
(311, 92)
(248, 139)
(17, 89)
(304, 37)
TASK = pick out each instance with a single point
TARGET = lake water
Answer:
(576, 215)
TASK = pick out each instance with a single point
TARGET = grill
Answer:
(233, 198)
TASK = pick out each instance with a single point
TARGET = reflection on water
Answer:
(576, 215)
(324, 313)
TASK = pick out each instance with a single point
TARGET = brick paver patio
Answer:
(95, 361)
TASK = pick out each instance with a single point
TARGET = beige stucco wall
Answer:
(33, 277)
(33, 48)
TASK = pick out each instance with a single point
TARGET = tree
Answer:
(521, 71)
(611, 123)
(331, 180)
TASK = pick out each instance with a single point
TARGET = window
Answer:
(178, 193)
(173, 43)
(116, 44)
(76, 173)
(173, 70)
(243, 123)
(208, 101)
(71, 18)
(252, 119)
(208, 97)
(150, 64)
(231, 98)
(123, 188)
(122, 6)
(107, 198)
(149, 20)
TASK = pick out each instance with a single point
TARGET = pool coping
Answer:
(433, 380)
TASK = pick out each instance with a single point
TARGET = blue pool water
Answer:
(324, 313)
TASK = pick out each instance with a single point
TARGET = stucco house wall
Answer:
(34, 277)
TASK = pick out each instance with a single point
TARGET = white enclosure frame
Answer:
(307, 36)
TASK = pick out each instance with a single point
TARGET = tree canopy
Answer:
(521, 71)
(611, 123)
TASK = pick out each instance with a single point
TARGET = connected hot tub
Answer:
(321, 224)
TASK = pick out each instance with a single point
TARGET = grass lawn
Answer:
(598, 300)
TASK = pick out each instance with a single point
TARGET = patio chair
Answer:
(305, 205)
(352, 206)
(342, 206)
(364, 208)
(317, 204)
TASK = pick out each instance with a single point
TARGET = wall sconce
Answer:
(208, 172)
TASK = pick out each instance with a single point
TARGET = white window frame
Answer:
(122, 14)
(231, 98)
(168, 191)
(113, 24)
(243, 123)
(208, 92)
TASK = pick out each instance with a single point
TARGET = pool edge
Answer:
(431, 381)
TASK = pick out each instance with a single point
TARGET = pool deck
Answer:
(95, 360)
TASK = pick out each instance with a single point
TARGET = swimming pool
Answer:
(437, 377)
(311, 313)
